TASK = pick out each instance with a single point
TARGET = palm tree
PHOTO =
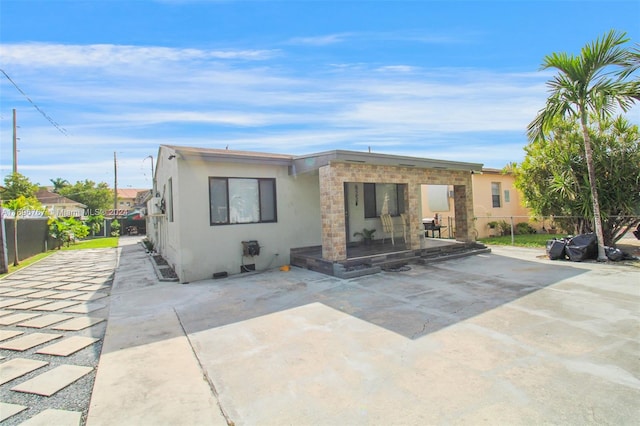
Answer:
(59, 183)
(595, 81)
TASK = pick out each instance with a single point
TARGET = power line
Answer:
(44, 114)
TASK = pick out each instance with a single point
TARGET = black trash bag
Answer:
(614, 254)
(582, 247)
(556, 249)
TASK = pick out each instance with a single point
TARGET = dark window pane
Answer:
(401, 189)
(218, 199)
(267, 200)
(170, 203)
(369, 194)
(495, 194)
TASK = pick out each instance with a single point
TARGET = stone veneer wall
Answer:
(333, 177)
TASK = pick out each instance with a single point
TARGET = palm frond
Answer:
(604, 52)
(632, 63)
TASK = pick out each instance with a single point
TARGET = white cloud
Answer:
(323, 40)
(397, 68)
(213, 117)
(195, 97)
(415, 36)
(106, 55)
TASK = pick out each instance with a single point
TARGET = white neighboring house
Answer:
(209, 203)
(59, 206)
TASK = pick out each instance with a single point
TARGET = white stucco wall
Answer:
(197, 249)
(165, 234)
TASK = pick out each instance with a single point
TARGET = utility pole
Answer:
(4, 261)
(115, 184)
(153, 181)
(15, 143)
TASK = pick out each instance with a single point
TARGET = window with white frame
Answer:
(495, 194)
(242, 200)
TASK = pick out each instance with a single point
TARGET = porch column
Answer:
(463, 199)
(412, 201)
(334, 241)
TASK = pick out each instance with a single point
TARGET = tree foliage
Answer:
(67, 230)
(20, 205)
(97, 197)
(95, 222)
(595, 82)
(18, 195)
(115, 228)
(16, 185)
(554, 178)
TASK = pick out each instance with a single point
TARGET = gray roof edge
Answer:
(232, 156)
(384, 159)
(309, 162)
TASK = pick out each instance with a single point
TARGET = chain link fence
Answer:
(528, 228)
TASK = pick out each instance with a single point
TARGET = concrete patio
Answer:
(503, 338)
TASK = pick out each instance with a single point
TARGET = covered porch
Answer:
(365, 259)
(358, 188)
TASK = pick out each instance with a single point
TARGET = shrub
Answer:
(66, 230)
(115, 228)
(366, 234)
(504, 227)
(524, 228)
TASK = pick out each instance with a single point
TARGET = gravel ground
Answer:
(163, 270)
(69, 267)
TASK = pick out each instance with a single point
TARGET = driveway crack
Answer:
(212, 386)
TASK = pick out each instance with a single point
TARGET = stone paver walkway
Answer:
(52, 324)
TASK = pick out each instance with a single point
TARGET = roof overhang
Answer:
(230, 156)
(308, 163)
(311, 162)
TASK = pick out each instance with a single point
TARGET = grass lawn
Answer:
(525, 240)
(94, 243)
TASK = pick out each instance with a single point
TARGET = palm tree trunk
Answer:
(588, 153)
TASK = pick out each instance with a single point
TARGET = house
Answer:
(222, 212)
(128, 198)
(59, 206)
(142, 196)
(495, 198)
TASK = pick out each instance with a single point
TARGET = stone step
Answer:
(424, 260)
(17, 367)
(52, 381)
(52, 416)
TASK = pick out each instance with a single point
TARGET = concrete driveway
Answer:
(503, 338)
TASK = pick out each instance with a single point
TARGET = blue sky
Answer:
(453, 80)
